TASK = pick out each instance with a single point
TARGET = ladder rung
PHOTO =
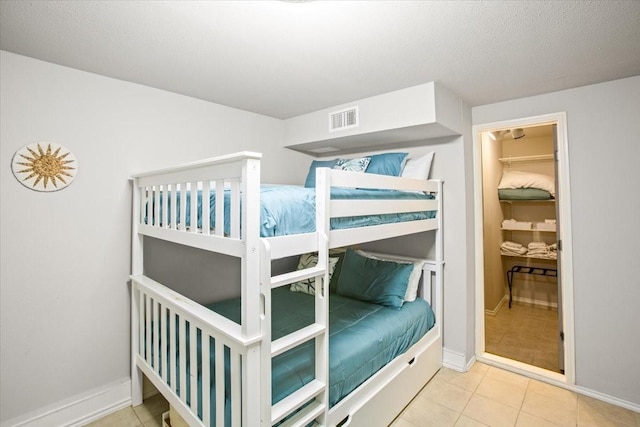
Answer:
(296, 338)
(304, 416)
(295, 400)
(295, 276)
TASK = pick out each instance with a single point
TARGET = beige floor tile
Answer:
(123, 418)
(479, 368)
(427, 414)
(154, 422)
(401, 422)
(465, 421)
(562, 396)
(559, 412)
(507, 377)
(152, 408)
(490, 412)
(445, 394)
(593, 409)
(467, 380)
(528, 420)
(507, 393)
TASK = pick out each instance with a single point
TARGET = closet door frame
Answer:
(566, 256)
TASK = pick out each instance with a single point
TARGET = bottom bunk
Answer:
(379, 356)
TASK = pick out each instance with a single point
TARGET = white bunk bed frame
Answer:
(375, 402)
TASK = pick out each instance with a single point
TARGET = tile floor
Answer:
(484, 396)
(525, 333)
(488, 396)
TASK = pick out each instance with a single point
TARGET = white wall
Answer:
(604, 150)
(65, 256)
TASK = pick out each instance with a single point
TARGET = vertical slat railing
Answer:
(219, 379)
(164, 344)
(156, 335)
(156, 205)
(206, 207)
(183, 206)
(236, 384)
(206, 379)
(168, 360)
(164, 219)
(193, 367)
(174, 203)
(194, 208)
(219, 207)
(234, 208)
(182, 354)
(147, 335)
(173, 352)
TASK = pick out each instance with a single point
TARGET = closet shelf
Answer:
(511, 201)
(529, 256)
(526, 158)
(529, 230)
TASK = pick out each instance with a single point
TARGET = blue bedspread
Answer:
(363, 338)
(290, 209)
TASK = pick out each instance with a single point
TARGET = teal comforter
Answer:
(289, 209)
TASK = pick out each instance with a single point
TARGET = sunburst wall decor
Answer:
(44, 166)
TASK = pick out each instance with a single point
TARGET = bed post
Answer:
(250, 290)
(137, 263)
(439, 258)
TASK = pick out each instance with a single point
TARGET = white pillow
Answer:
(418, 168)
(518, 179)
(414, 278)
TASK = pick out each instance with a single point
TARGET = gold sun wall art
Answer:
(44, 166)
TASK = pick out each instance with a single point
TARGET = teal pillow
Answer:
(387, 164)
(333, 283)
(310, 182)
(373, 280)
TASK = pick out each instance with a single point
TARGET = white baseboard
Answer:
(493, 312)
(79, 410)
(609, 399)
(456, 361)
(539, 303)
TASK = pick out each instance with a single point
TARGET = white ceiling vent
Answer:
(344, 119)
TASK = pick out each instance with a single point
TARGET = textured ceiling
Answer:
(283, 59)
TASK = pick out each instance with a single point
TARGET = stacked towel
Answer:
(512, 248)
(542, 250)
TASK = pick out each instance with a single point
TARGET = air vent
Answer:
(344, 119)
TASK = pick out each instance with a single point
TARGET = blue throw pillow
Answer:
(373, 280)
(387, 163)
(310, 182)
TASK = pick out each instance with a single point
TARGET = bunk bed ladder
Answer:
(310, 402)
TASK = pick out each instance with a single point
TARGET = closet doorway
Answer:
(524, 286)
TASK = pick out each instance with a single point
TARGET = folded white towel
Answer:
(537, 245)
(508, 244)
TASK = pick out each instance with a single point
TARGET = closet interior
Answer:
(521, 267)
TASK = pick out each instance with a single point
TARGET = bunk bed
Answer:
(170, 332)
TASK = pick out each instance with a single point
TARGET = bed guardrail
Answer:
(191, 351)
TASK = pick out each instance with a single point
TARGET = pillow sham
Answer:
(387, 164)
(354, 165)
(308, 286)
(419, 167)
(518, 179)
(310, 182)
(373, 280)
(414, 278)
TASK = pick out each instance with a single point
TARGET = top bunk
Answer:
(348, 207)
